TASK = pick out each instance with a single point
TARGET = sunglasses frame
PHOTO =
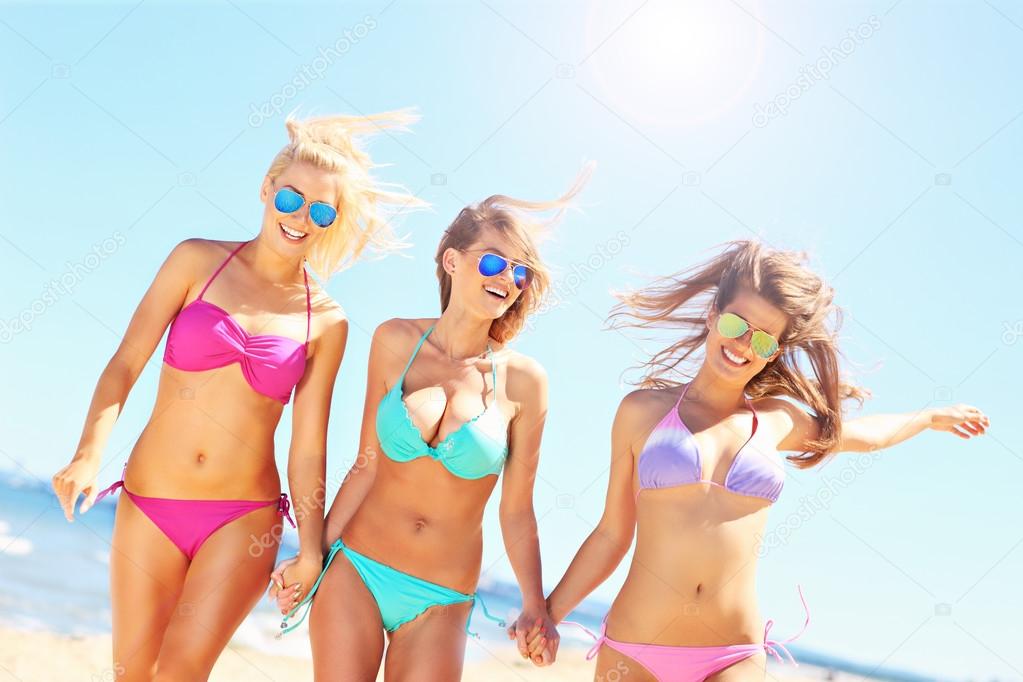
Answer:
(509, 263)
(756, 330)
(277, 193)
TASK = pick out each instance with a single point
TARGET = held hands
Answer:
(537, 636)
(76, 478)
(302, 572)
(964, 421)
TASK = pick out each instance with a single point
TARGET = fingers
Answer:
(89, 500)
(289, 597)
(68, 497)
(537, 646)
(520, 636)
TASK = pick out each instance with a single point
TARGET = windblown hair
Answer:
(365, 206)
(514, 220)
(682, 302)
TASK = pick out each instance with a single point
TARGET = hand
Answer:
(76, 478)
(964, 421)
(537, 636)
(302, 571)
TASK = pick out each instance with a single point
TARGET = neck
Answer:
(714, 393)
(461, 335)
(270, 265)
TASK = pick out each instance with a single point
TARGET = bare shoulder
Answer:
(191, 260)
(643, 400)
(640, 410)
(784, 413)
(525, 378)
(398, 329)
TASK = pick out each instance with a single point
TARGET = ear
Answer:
(449, 259)
(265, 188)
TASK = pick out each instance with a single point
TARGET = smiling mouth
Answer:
(496, 292)
(290, 234)
(733, 359)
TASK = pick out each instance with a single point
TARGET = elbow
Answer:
(619, 538)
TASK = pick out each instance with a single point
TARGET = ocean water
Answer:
(54, 577)
(54, 574)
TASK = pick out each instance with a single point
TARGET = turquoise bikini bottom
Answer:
(399, 596)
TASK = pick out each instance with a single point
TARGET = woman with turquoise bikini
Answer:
(448, 408)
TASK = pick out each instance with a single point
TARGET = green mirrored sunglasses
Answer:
(732, 326)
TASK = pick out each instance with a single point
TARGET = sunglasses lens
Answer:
(288, 201)
(491, 264)
(322, 214)
(763, 344)
(523, 276)
(731, 326)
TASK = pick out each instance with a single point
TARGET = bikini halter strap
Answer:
(422, 340)
(217, 271)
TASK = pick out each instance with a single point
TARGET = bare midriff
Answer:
(693, 576)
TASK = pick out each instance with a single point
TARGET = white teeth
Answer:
(733, 357)
(291, 233)
(494, 290)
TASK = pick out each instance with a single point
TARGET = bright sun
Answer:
(674, 62)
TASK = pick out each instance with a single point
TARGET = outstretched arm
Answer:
(878, 431)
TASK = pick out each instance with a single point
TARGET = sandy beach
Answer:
(46, 657)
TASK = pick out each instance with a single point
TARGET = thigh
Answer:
(345, 631)
(224, 582)
(752, 668)
(613, 666)
(431, 647)
(147, 572)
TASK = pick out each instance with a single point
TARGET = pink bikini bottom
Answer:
(188, 523)
(692, 663)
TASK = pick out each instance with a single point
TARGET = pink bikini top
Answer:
(670, 458)
(204, 336)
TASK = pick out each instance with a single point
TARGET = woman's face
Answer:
(733, 358)
(487, 297)
(292, 235)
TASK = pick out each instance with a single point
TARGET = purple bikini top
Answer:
(671, 458)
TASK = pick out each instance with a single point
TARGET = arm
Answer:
(307, 459)
(603, 550)
(518, 519)
(527, 385)
(158, 307)
(359, 479)
(878, 431)
(288, 589)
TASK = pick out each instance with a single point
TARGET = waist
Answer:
(659, 612)
(180, 471)
(441, 550)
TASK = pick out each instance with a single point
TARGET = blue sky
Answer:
(882, 138)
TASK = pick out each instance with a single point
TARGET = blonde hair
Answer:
(511, 217)
(366, 206)
(683, 302)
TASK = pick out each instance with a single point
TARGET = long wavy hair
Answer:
(514, 220)
(366, 207)
(682, 303)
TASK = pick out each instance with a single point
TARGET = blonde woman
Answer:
(248, 329)
(695, 467)
(449, 407)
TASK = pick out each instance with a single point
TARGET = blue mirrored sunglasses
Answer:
(490, 264)
(288, 201)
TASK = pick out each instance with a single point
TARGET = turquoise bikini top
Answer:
(467, 452)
